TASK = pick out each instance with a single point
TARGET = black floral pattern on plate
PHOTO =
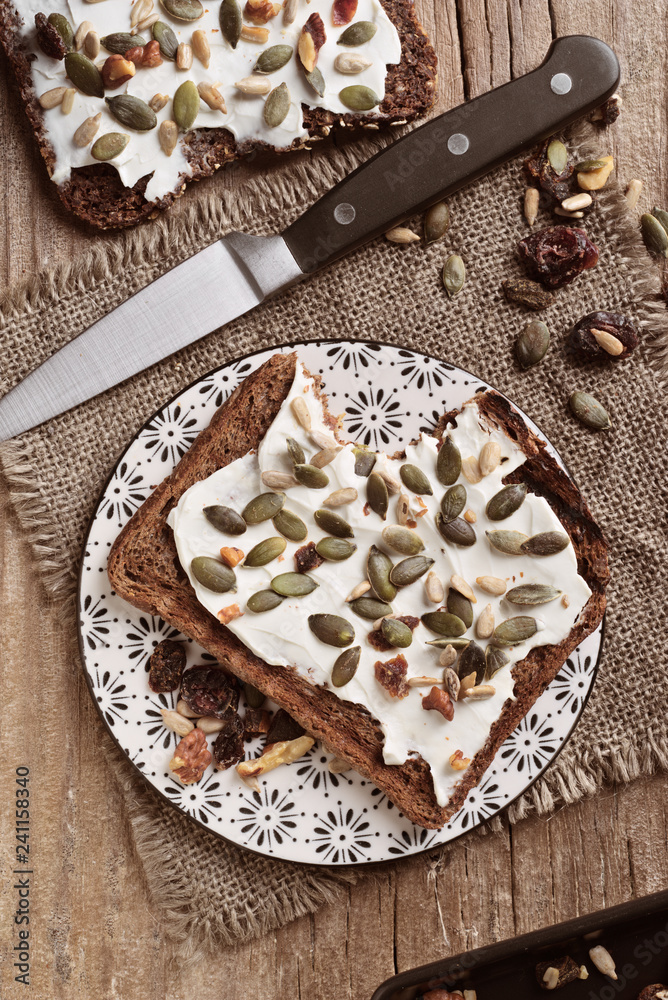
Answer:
(268, 818)
(95, 622)
(353, 357)
(424, 373)
(202, 800)
(124, 494)
(342, 836)
(374, 417)
(572, 683)
(312, 769)
(532, 745)
(482, 802)
(169, 435)
(112, 696)
(156, 729)
(221, 384)
(412, 839)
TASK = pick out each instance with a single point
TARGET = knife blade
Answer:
(238, 272)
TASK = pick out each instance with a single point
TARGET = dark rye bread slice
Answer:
(96, 194)
(144, 569)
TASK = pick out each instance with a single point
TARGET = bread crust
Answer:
(96, 193)
(144, 569)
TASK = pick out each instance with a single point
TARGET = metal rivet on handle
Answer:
(561, 83)
(344, 213)
(458, 143)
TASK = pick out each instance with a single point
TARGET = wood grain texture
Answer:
(94, 933)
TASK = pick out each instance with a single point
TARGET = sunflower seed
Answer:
(87, 131)
(337, 765)
(324, 457)
(84, 74)
(277, 105)
(471, 470)
(460, 606)
(444, 623)
(448, 656)
(335, 549)
(176, 722)
(460, 584)
(379, 621)
(506, 501)
(132, 112)
(480, 692)
(436, 222)
(495, 659)
(362, 588)
(210, 725)
(109, 146)
(451, 640)
(345, 666)
(531, 200)
(611, 345)
(322, 439)
(393, 485)
(212, 97)
(557, 155)
(588, 410)
(370, 608)
(81, 32)
(454, 275)
(273, 58)
(357, 33)
(295, 451)
(654, 235)
(91, 45)
(168, 136)
(331, 629)
(265, 551)
(257, 85)
(489, 457)
(547, 543)
(458, 531)
(212, 574)
(403, 509)
(158, 102)
(577, 201)
(396, 633)
(532, 593)
(263, 507)
(359, 97)
(603, 961)
(52, 98)
(409, 570)
(565, 601)
(290, 526)
(165, 38)
(184, 56)
(415, 480)
(491, 585)
(339, 498)
(184, 10)
(414, 682)
(185, 711)
(225, 519)
(485, 623)
(351, 63)
(509, 542)
(185, 106)
(300, 413)
(472, 661)
(263, 600)
(379, 568)
(230, 21)
(312, 478)
(293, 584)
(377, 494)
(514, 630)
(279, 480)
(201, 48)
(402, 236)
(448, 463)
(434, 588)
(333, 523)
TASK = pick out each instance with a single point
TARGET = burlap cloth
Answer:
(209, 891)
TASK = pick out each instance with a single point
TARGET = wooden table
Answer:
(93, 930)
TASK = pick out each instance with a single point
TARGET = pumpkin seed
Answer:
(265, 551)
(254, 697)
(409, 570)
(357, 33)
(335, 549)
(358, 97)
(588, 410)
(379, 567)
(454, 275)
(514, 630)
(654, 235)
(333, 523)
(557, 155)
(64, 29)
(458, 531)
(415, 480)
(585, 166)
(547, 543)
(506, 501)
(332, 629)
(460, 606)
(533, 593)
(273, 58)
(309, 476)
(339, 498)
(661, 215)
(453, 502)
(509, 542)
(184, 10)
(402, 540)
(444, 623)
(370, 608)
(289, 525)
(345, 666)
(295, 451)
(454, 641)
(277, 106)
(166, 39)
(263, 507)
(448, 462)
(472, 660)
(293, 584)
(84, 74)
(132, 112)
(364, 461)
(377, 495)
(225, 519)
(495, 659)
(532, 344)
(109, 146)
(230, 21)
(263, 600)
(212, 574)
(396, 633)
(186, 105)
(436, 222)
(316, 81)
(118, 42)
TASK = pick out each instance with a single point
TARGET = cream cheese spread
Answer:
(282, 636)
(244, 117)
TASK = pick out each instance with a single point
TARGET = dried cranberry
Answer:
(166, 665)
(209, 691)
(557, 254)
(49, 38)
(229, 746)
(307, 558)
(608, 113)
(392, 675)
(539, 168)
(586, 345)
(283, 728)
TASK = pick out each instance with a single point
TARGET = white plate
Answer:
(303, 813)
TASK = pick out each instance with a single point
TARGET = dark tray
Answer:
(635, 934)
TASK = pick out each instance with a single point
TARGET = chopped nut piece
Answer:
(458, 762)
(594, 180)
(470, 516)
(448, 656)
(338, 766)
(439, 701)
(116, 71)
(603, 961)
(176, 722)
(261, 11)
(466, 684)
(231, 555)
(192, 757)
(553, 975)
(184, 56)
(250, 33)
(551, 978)
(212, 97)
(584, 972)
(274, 755)
(228, 614)
(158, 102)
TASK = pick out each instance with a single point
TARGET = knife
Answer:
(238, 272)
